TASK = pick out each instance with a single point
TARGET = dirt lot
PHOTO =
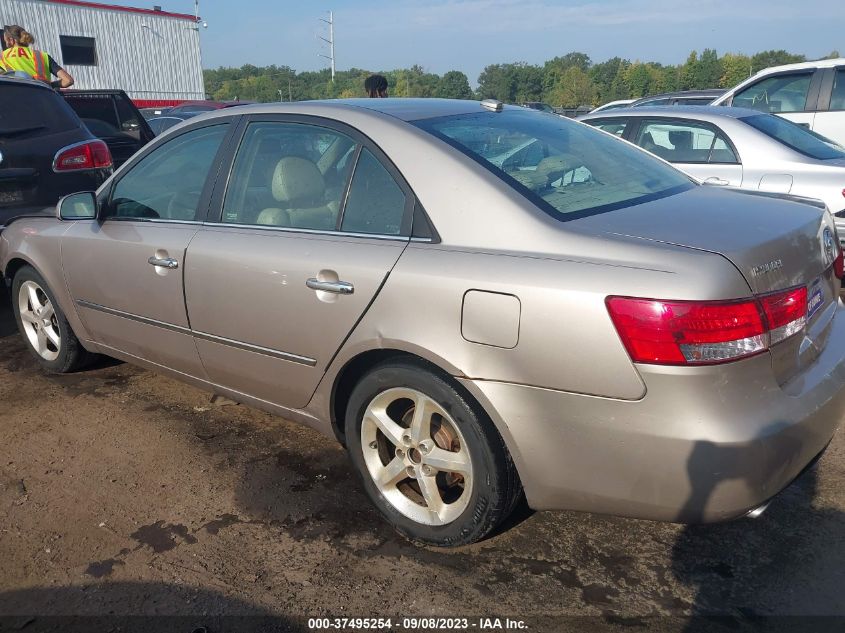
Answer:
(127, 493)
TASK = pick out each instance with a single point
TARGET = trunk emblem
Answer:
(767, 268)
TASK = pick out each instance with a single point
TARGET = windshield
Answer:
(795, 137)
(568, 169)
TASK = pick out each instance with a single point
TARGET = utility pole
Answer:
(329, 41)
(290, 92)
(280, 95)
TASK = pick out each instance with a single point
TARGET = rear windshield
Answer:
(568, 169)
(32, 110)
(796, 137)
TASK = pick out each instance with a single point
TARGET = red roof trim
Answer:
(112, 7)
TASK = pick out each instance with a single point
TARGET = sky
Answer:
(467, 35)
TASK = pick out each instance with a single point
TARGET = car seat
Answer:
(299, 187)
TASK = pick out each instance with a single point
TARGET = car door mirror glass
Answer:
(77, 206)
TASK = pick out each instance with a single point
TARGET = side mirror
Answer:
(77, 206)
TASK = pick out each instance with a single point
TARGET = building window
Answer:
(78, 51)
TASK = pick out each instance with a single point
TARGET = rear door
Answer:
(699, 148)
(830, 118)
(34, 124)
(311, 224)
(125, 270)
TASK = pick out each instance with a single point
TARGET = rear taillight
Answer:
(839, 264)
(706, 332)
(89, 155)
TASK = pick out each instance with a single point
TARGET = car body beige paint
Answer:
(586, 427)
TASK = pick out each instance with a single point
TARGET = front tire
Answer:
(430, 460)
(43, 325)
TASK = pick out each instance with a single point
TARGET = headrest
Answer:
(680, 139)
(298, 181)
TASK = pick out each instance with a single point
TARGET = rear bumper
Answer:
(704, 444)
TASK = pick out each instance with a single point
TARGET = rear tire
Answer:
(43, 326)
(442, 477)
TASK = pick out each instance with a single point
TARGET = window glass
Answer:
(837, 97)
(45, 111)
(780, 93)
(78, 51)
(167, 183)
(568, 170)
(375, 204)
(289, 175)
(128, 118)
(796, 137)
(684, 142)
(616, 127)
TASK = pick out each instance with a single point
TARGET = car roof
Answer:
(704, 113)
(22, 81)
(400, 108)
(94, 91)
(821, 63)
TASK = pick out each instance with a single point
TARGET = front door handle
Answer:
(164, 262)
(337, 287)
(715, 180)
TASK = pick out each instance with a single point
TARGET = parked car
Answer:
(476, 299)
(111, 116)
(613, 105)
(192, 108)
(684, 97)
(45, 150)
(160, 124)
(811, 94)
(737, 147)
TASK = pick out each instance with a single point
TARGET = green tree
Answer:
(574, 88)
(735, 68)
(767, 59)
(454, 85)
(497, 81)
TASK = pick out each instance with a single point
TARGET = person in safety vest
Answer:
(20, 56)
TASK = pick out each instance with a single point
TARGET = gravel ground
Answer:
(123, 492)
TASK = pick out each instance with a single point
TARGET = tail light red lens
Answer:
(90, 155)
(706, 332)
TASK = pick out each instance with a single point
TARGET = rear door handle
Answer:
(337, 287)
(715, 180)
(164, 262)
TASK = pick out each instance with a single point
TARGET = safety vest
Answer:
(34, 63)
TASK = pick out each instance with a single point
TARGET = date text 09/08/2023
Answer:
(416, 624)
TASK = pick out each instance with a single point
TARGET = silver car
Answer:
(737, 147)
(476, 300)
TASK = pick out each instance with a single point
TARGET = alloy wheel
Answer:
(40, 324)
(417, 456)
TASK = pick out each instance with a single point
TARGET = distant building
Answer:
(153, 55)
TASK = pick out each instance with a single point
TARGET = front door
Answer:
(311, 226)
(125, 270)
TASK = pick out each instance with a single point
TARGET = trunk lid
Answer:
(773, 242)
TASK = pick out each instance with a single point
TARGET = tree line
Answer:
(567, 81)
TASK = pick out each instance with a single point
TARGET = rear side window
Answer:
(795, 137)
(780, 93)
(31, 110)
(684, 142)
(568, 170)
(837, 97)
(375, 204)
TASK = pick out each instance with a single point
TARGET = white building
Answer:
(153, 55)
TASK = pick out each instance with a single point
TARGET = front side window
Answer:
(289, 175)
(566, 169)
(684, 142)
(779, 93)
(167, 183)
(795, 137)
(613, 126)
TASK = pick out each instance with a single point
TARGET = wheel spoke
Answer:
(42, 341)
(52, 336)
(34, 301)
(449, 462)
(424, 408)
(48, 311)
(392, 474)
(431, 493)
(386, 425)
(28, 317)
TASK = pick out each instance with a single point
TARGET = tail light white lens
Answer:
(706, 332)
(90, 155)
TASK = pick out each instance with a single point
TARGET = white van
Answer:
(811, 94)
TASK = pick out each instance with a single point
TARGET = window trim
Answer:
(105, 201)
(215, 216)
(718, 131)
